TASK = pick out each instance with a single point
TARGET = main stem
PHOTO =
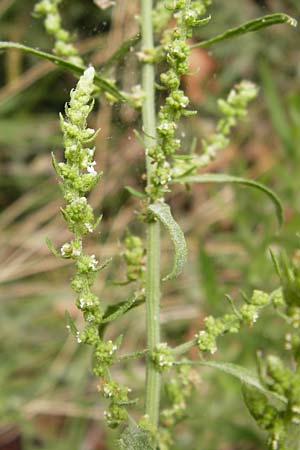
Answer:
(153, 228)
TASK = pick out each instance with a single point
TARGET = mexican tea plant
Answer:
(166, 30)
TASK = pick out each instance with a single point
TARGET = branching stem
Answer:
(153, 228)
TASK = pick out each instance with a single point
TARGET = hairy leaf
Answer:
(249, 27)
(99, 81)
(243, 374)
(163, 213)
(223, 178)
(135, 438)
(118, 310)
(53, 249)
(115, 311)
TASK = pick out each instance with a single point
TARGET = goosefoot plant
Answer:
(273, 396)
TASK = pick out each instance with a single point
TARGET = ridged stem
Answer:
(153, 228)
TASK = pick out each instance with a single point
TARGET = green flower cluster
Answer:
(118, 395)
(235, 107)
(176, 51)
(231, 323)
(177, 392)
(232, 109)
(289, 273)
(288, 298)
(134, 256)
(63, 39)
(162, 357)
(78, 175)
(160, 16)
(282, 424)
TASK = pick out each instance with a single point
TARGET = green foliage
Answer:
(135, 438)
(249, 27)
(162, 212)
(224, 178)
(272, 397)
(63, 40)
(68, 65)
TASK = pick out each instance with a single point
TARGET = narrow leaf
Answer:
(105, 264)
(135, 193)
(275, 263)
(127, 402)
(121, 52)
(163, 213)
(99, 81)
(223, 178)
(249, 27)
(139, 138)
(53, 249)
(241, 373)
(115, 311)
(119, 340)
(70, 324)
(55, 164)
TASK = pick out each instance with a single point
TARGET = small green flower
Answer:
(206, 342)
(89, 335)
(279, 376)
(114, 391)
(233, 108)
(176, 50)
(104, 355)
(260, 298)
(134, 256)
(162, 357)
(249, 314)
(52, 20)
(115, 415)
(78, 175)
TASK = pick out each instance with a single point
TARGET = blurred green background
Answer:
(46, 389)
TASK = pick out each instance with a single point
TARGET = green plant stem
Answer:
(184, 348)
(134, 355)
(153, 228)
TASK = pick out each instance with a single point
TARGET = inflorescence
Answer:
(52, 20)
(176, 51)
(167, 164)
(232, 109)
(79, 176)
